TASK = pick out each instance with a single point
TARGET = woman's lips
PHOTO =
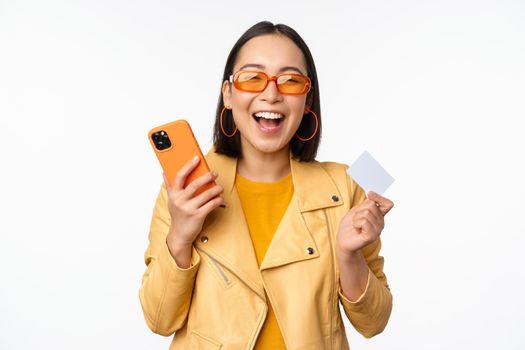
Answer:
(269, 126)
(269, 129)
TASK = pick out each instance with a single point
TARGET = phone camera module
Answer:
(161, 140)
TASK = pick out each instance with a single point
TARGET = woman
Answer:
(262, 259)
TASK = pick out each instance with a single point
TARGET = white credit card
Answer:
(369, 174)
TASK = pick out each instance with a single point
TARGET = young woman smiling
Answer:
(262, 259)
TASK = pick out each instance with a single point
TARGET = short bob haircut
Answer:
(302, 150)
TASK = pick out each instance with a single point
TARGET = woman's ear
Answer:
(308, 103)
(226, 93)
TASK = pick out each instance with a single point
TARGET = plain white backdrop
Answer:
(433, 89)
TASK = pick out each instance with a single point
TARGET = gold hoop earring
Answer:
(308, 111)
(222, 127)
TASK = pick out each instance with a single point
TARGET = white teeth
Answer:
(269, 115)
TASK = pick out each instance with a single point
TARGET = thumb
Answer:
(384, 204)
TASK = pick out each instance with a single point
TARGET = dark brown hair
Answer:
(302, 150)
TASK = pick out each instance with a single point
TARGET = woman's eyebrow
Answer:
(260, 66)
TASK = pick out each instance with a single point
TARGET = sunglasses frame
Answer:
(308, 85)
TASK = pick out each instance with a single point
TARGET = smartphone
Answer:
(174, 145)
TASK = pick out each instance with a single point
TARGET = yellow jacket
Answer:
(219, 302)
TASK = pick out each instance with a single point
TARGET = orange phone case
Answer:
(179, 146)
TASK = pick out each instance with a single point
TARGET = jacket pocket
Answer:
(200, 342)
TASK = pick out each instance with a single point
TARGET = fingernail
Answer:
(195, 159)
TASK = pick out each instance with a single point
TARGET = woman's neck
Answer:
(264, 167)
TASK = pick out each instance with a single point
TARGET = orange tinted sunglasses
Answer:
(287, 84)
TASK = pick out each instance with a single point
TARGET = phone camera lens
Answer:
(161, 140)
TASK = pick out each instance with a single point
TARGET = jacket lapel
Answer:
(227, 237)
(293, 241)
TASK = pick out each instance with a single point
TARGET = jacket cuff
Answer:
(176, 269)
(362, 300)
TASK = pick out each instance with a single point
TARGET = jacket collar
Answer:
(225, 236)
(313, 186)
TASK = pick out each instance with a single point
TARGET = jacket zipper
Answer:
(224, 277)
(251, 345)
(217, 267)
(330, 312)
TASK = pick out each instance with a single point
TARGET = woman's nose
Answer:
(271, 93)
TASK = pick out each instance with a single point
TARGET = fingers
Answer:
(368, 230)
(202, 180)
(210, 205)
(180, 178)
(384, 204)
(371, 225)
(369, 218)
(205, 196)
(369, 207)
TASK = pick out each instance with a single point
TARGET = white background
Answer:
(433, 89)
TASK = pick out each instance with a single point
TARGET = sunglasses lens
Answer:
(250, 81)
(293, 84)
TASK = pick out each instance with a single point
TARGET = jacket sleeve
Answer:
(166, 290)
(369, 314)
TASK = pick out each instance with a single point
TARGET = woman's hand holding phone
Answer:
(188, 211)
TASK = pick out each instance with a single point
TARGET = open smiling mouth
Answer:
(268, 119)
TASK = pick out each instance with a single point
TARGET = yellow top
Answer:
(264, 205)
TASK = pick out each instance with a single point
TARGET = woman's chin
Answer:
(268, 146)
